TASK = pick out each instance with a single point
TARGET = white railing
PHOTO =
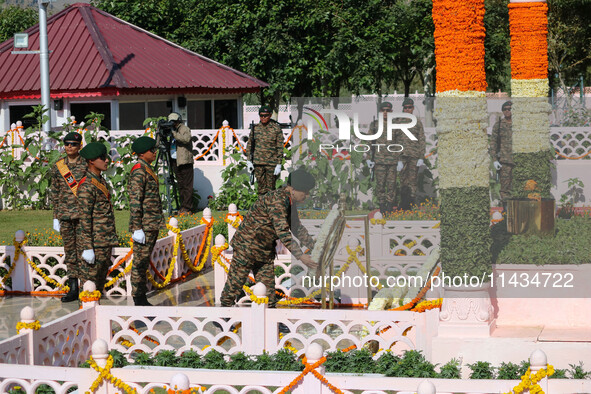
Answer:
(50, 260)
(180, 329)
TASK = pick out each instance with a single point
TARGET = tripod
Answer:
(164, 157)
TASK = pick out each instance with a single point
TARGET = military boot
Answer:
(141, 300)
(74, 290)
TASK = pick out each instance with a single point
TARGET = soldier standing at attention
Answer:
(145, 217)
(269, 219)
(501, 150)
(265, 143)
(411, 158)
(384, 162)
(65, 177)
(97, 220)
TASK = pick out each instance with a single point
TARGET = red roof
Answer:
(94, 53)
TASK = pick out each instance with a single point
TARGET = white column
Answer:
(28, 316)
(310, 384)
(22, 275)
(89, 286)
(538, 360)
(219, 275)
(232, 215)
(257, 324)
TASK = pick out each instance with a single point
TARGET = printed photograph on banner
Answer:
(368, 226)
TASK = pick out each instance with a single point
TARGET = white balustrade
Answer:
(51, 261)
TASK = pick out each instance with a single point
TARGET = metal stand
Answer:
(327, 257)
(165, 158)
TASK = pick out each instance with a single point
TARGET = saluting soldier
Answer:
(145, 217)
(270, 218)
(383, 162)
(501, 150)
(411, 158)
(265, 143)
(65, 177)
(97, 220)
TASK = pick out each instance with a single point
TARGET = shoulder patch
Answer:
(137, 166)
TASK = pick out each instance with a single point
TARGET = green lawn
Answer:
(40, 224)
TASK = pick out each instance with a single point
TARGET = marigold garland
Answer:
(427, 305)
(311, 368)
(175, 252)
(237, 220)
(530, 383)
(419, 296)
(18, 250)
(87, 296)
(36, 325)
(459, 44)
(528, 23)
(105, 374)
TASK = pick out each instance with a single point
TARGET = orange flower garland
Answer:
(529, 46)
(459, 45)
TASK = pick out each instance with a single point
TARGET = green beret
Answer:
(265, 109)
(507, 104)
(301, 180)
(73, 136)
(385, 105)
(408, 101)
(93, 150)
(143, 144)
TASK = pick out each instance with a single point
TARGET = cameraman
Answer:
(182, 162)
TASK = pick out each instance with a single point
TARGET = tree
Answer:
(14, 19)
(497, 45)
(569, 43)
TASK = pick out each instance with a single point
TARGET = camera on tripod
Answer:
(165, 128)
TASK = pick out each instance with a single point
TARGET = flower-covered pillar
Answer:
(463, 161)
(532, 150)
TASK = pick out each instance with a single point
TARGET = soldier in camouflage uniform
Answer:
(411, 158)
(146, 218)
(65, 177)
(501, 150)
(383, 162)
(271, 218)
(265, 143)
(97, 220)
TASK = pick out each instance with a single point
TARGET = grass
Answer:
(40, 224)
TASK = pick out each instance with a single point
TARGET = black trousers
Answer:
(184, 179)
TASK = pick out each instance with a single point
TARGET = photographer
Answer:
(182, 162)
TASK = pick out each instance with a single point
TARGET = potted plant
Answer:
(572, 196)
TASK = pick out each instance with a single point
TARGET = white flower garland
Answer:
(461, 130)
(531, 126)
(394, 297)
(529, 87)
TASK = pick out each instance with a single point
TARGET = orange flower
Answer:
(529, 46)
(530, 185)
(459, 45)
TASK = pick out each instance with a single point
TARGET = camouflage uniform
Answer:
(266, 153)
(413, 151)
(65, 209)
(270, 219)
(385, 165)
(145, 209)
(97, 227)
(501, 150)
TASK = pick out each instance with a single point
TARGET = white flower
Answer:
(462, 146)
(529, 87)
